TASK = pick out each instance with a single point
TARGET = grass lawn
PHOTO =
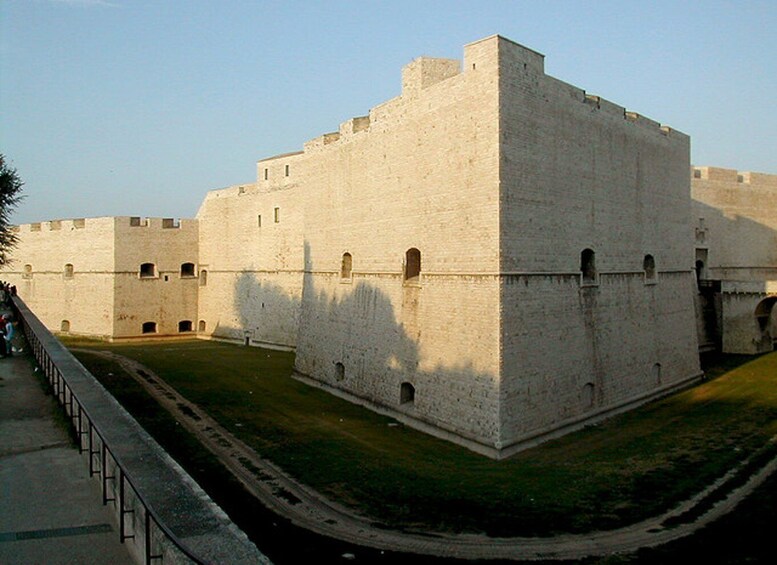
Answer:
(627, 468)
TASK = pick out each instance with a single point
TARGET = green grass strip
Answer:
(623, 470)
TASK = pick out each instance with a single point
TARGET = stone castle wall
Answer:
(579, 172)
(735, 234)
(420, 172)
(168, 298)
(490, 176)
(80, 300)
(85, 275)
(735, 223)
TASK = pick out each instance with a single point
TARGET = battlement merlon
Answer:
(101, 223)
(719, 174)
(424, 72)
(485, 55)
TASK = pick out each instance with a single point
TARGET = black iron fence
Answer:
(152, 541)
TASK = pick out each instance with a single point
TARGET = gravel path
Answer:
(309, 509)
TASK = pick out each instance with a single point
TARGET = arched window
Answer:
(588, 265)
(187, 269)
(203, 277)
(184, 326)
(406, 393)
(412, 265)
(657, 373)
(68, 271)
(149, 327)
(147, 270)
(339, 371)
(27, 272)
(763, 313)
(201, 326)
(64, 326)
(345, 266)
(588, 395)
(649, 266)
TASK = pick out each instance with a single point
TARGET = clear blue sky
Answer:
(138, 107)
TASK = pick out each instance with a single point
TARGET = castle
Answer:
(494, 257)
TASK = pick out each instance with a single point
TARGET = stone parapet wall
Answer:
(160, 510)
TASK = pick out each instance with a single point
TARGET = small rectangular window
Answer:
(277, 215)
(259, 221)
(287, 170)
(266, 174)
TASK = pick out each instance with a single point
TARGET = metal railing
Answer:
(117, 484)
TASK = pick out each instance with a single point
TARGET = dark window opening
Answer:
(185, 326)
(65, 326)
(339, 371)
(187, 270)
(277, 214)
(412, 265)
(204, 277)
(346, 266)
(588, 265)
(68, 271)
(201, 326)
(588, 395)
(699, 272)
(147, 270)
(406, 393)
(149, 327)
(287, 170)
(649, 266)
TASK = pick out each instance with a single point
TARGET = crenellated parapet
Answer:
(99, 224)
(719, 174)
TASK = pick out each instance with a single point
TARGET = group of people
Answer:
(7, 290)
(6, 322)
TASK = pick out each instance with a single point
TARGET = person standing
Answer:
(3, 342)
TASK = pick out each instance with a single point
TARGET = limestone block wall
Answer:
(63, 269)
(420, 172)
(734, 220)
(577, 173)
(749, 316)
(165, 295)
(251, 252)
(573, 353)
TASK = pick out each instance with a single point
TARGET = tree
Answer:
(10, 196)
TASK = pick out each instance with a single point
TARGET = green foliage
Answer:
(10, 196)
(628, 468)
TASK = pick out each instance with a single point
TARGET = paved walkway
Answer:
(50, 510)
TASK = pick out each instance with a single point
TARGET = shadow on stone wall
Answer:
(351, 335)
(720, 238)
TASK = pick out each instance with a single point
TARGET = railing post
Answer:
(80, 431)
(105, 476)
(123, 511)
(70, 404)
(92, 451)
(149, 556)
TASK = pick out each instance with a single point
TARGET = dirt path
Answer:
(309, 509)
